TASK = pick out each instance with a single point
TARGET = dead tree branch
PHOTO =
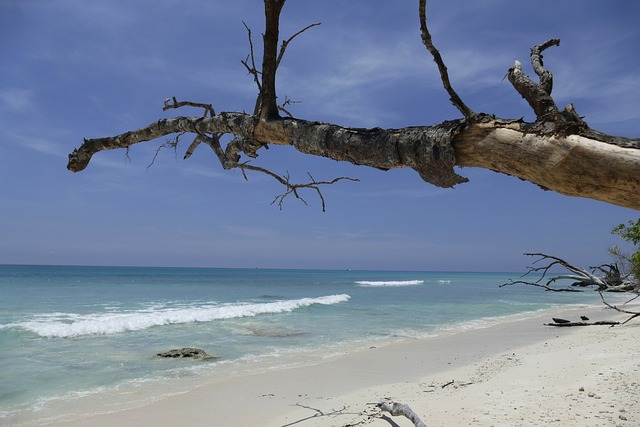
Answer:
(611, 281)
(294, 188)
(546, 78)
(252, 69)
(537, 95)
(282, 107)
(580, 276)
(171, 103)
(557, 152)
(268, 97)
(444, 73)
(171, 143)
(633, 314)
(400, 409)
(598, 323)
(286, 42)
(318, 413)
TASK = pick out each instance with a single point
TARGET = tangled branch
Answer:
(229, 157)
(293, 188)
(170, 143)
(580, 276)
(611, 281)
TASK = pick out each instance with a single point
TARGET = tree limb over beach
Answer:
(558, 151)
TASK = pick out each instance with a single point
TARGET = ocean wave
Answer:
(384, 283)
(65, 325)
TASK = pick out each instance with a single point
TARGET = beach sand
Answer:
(519, 373)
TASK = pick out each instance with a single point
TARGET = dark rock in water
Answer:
(584, 318)
(187, 352)
(557, 320)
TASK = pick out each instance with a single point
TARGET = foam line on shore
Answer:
(503, 374)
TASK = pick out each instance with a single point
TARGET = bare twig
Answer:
(447, 384)
(170, 143)
(172, 102)
(540, 285)
(286, 102)
(318, 413)
(252, 69)
(444, 74)
(285, 43)
(293, 188)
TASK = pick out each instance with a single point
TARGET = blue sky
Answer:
(74, 69)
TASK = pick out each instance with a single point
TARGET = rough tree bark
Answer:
(558, 151)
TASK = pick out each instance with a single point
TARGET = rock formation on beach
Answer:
(187, 352)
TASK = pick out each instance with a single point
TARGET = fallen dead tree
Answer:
(603, 278)
(598, 323)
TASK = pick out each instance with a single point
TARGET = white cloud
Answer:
(18, 100)
(36, 143)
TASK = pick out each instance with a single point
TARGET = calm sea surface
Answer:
(67, 333)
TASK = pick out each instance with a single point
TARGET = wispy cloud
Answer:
(37, 142)
(17, 100)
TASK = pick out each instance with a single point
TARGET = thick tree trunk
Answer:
(572, 165)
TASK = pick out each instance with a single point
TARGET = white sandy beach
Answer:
(515, 374)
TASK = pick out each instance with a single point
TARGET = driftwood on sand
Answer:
(400, 409)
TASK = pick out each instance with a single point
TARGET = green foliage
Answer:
(631, 233)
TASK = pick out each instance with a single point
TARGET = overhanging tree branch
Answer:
(558, 151)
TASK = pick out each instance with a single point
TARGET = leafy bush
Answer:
(631, 233)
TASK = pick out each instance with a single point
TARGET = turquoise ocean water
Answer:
(72, 333)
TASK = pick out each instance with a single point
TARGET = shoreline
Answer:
(503, 374)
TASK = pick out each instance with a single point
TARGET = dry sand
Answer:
(516, 374)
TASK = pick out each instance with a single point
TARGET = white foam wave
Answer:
(73, 325)
(390, 283)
